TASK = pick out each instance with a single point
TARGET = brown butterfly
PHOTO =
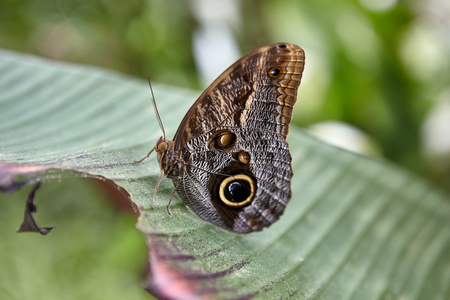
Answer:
(229, 159)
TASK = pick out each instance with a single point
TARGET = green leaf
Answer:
(95, 252)
(355, 228)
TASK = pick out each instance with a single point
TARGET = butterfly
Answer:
(229, 159)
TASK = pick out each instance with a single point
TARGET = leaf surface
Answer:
(356, 228)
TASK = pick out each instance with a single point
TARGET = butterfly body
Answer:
(229, 160)
(170, 161)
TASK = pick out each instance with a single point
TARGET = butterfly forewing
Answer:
(244, 85)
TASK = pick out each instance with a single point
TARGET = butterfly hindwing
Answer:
(259, 159)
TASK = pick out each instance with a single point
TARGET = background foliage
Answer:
(381, 66)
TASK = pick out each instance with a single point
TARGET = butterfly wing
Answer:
(233, 140)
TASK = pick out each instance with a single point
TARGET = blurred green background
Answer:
(379, 69)
(94, 251)
(381, 66)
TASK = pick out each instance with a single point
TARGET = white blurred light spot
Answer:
(345, 136)
(216, 11)
(378, 5)
(315, 84)
(215, 47)
(422, 52)
(436, 133)
(357, 34)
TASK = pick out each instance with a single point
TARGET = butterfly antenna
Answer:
(159, 121)
(156, 109)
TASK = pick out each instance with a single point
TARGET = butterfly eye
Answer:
(223, 140)
(162, 146)
(242, 157)
(237, 190)
(274, 72)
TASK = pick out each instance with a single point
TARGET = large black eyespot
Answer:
(237, 191)
(274, 72)
(282, 46)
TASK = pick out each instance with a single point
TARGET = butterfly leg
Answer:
(148, 154)
(158, 183)
(171, 195)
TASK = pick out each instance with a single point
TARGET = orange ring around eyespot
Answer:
(227, 180)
